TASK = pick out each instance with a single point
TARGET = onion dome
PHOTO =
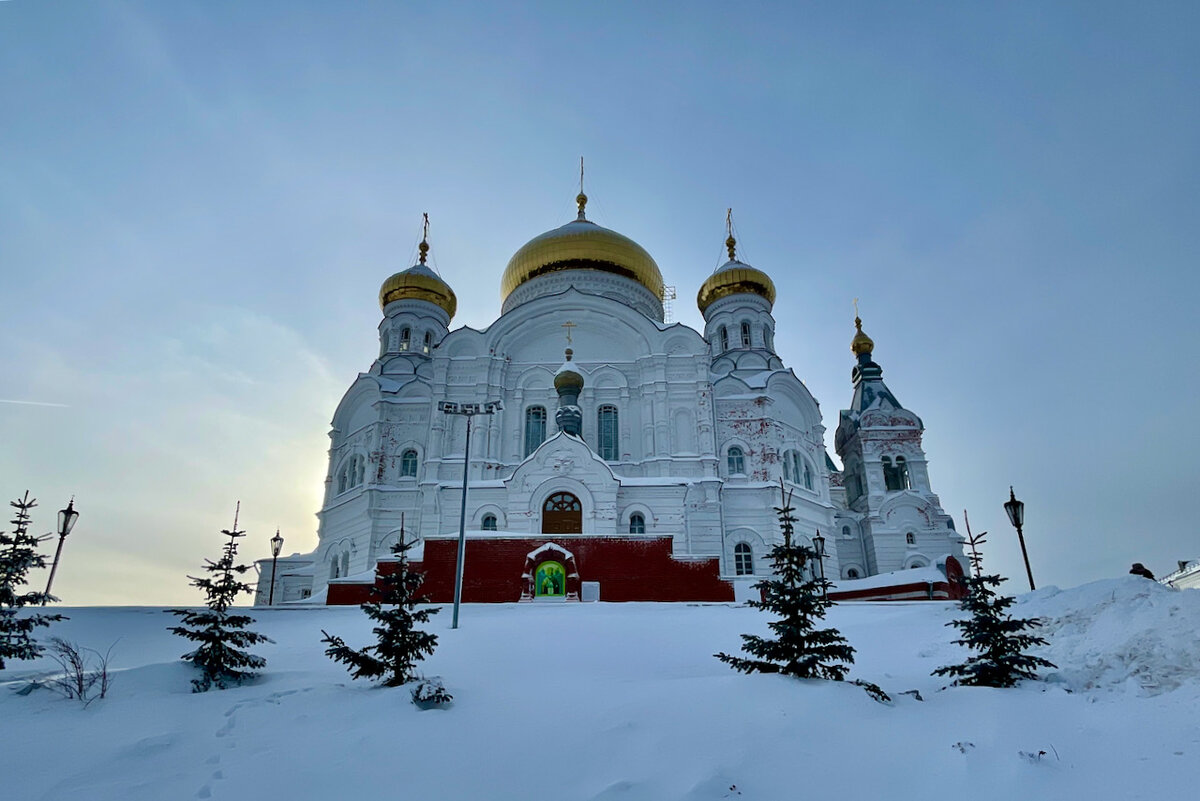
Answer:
(419, 282)
(581, 245)
(733, 278)
(567, 378)
(861, 344)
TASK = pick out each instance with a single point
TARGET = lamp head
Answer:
(1015, 509)
(276, 544)
(67, 518)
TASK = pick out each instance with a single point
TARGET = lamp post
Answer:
(819, 547)
(467, 410)
(1016, 516)
(66, 522)
(276, 547)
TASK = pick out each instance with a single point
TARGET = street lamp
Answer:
(1016, 516)
(819, 547)
(66, 522)
(276, 547)
(467, 410)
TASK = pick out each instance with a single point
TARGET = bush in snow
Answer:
(18, 555)
(999, 638)
(430, 693)
(223, 637)
(84, 671)
(399, 643)
(799, 599)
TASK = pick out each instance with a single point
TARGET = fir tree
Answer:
(999, 638)
(399, 643)
(222, 636)
(799, 649)
(18, 555)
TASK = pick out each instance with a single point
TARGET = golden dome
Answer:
(861, 343)
(567, 376)
(419, 283)
(582, 245)
(734, 278)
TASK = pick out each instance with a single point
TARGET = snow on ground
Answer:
(624, 702)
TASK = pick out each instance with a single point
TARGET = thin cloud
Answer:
(35, 403)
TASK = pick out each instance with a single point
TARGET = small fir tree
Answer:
(999, 638)
(399, 643)
(18, 555)
(223, 637)
(799, 599)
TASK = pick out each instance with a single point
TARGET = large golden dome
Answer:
(581, 245)
(734, 278)
(419, 283)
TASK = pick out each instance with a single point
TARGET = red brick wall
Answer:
(628, 569)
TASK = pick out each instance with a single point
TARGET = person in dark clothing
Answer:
(1139, 569)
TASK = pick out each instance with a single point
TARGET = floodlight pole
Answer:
(467, 410)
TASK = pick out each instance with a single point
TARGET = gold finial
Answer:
(861, 343)
(581, 198)
(730, 242)
(424, 246)
(568, 325)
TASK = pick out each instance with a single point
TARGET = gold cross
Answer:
(568, 325)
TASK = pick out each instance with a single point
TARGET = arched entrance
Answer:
(562, 514)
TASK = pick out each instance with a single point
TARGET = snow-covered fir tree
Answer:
(799, 598)
(18, 555)
(221, 656)
(1000, 639)
(399, 643)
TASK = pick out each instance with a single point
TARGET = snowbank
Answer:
(1119, 633)
(608, 702)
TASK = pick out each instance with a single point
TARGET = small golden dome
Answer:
(861, 343)
(582, 245)
(419, 283)
(734, 278)
(567, 375)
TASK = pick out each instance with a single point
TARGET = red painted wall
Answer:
(628, 569)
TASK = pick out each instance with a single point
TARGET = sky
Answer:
(199, 201)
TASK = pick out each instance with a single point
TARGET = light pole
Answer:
(66, 522)
(819, 547)
(1016, 516)
(276, 547)
(467, 410)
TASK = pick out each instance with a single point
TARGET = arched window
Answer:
(768, 340)
(637, 523)
(808, 476)
(341, 481)
(845, 531)
(428, 345)
(851, 573)
(736, 460)
(745, 334)
(606, 433)
(361, 470)
(787, 465)
(743, 559)
(488, 523)
(895, 475)
(333, 568)
(535, 428)
(346, 563)
(408, 464)
(405, 337)
(910, 538)
(724, 339)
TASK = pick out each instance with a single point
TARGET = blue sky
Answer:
(199, 200)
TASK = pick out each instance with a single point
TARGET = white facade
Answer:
(706, 425)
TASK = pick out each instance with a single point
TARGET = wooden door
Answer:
(562, 514)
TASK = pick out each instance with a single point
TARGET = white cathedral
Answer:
(644, 467)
